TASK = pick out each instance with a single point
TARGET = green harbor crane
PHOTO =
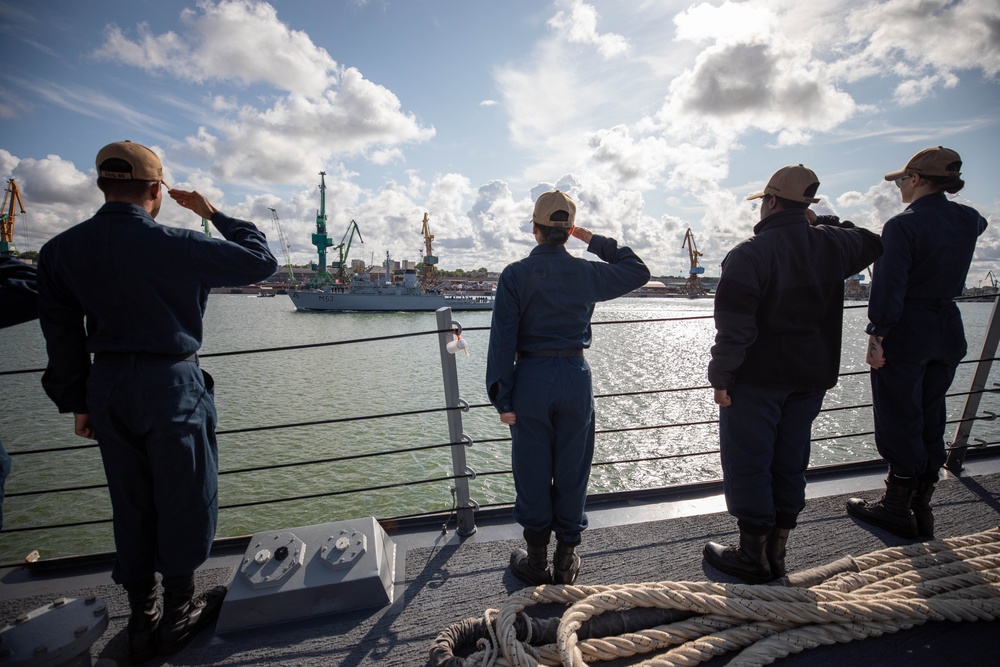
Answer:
(344, 250)
(321, 240)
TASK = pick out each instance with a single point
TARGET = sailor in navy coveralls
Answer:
(916, 336)
(132, 293)
(539, 381)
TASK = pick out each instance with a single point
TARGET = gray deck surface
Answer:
(447, 583)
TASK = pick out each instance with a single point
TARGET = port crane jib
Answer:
(7, 215)
(430, 261)
(344, 249)
(693, 286)
(283, 242)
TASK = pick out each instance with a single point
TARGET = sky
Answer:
(655, 115)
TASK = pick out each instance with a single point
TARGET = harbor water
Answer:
(657, 359)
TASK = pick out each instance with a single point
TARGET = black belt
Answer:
(143, 357)
(936, 303)
(550, 353)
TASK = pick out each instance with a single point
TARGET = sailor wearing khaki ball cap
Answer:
(540, 382)
(133, 292)
(779, 310)
(916, 336)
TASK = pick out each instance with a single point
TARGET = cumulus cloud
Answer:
(499, 221)
(874, 206)
(579, 25)
(631, 161)
(774, 86)
(232, 40)
(911, 91)
(327, 112)
(446, 199)
(926, 42)
(727, 23)
(753, 74)
(7, 161)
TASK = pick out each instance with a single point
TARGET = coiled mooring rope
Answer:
(956, 579)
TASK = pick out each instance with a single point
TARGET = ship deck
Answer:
(441, 579)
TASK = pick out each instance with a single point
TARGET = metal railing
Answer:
(464, 506)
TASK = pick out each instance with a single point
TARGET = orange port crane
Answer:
(693, 286)
(7, 215)
(429, 259)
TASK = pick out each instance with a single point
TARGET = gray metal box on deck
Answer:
(309, 571)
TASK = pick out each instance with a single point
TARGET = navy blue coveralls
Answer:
(543, 307)
(779, 311)
(928, 250)
(132, 293)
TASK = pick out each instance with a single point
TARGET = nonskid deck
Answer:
(442, 579)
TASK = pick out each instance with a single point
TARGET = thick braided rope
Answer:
(811, 607)
(956, 579)
(977, 597)
(880, 567)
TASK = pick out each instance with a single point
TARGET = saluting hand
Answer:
(193, 201)
(583, 234)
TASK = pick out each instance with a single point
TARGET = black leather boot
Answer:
(892, 512)
(748, 561)
(565, 564)
(920, 504)
(184, 614)
(143, 621)
(531, 565)
(776, 540)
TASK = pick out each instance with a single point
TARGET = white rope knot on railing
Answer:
(956, 579)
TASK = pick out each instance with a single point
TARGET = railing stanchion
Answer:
(465, 506)
(959, 446)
